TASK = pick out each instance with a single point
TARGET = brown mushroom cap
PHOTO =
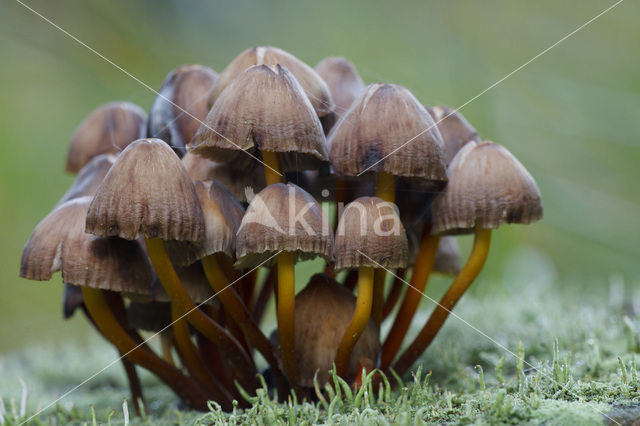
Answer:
(236, 179)
(187, 89)
(487, 187)
(343, 80)
(344, 84)
(147, 190)
(455, 130)
(108, 129)
(263, 107)
(323, 311)
(370, 228)
(313, 86)
(222, 216)
(89, 178)
(59, 243)
(387, 130)
(283, 217)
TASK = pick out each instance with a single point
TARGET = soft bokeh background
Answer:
(571, 116)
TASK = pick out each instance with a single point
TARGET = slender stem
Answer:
(394, 293)
(212, 330)
(237, 311)
(359, 321)
(272, 170)
(421, 271)
(379, 279)
(386, 190)
(108, 325)
(286, 314)
(465, 278)
(386, 187)
(190, 356)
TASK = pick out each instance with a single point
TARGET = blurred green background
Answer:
(571, 116)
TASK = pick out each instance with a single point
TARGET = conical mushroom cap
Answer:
(266, 108)
(89, 178)
(147, 190)
(237, 180)
(448, 256)
(313, 85)
(387, 130)
(487, 187)
(455, 130)
(370, 233)
(222, 216)
(323, 311)
(108, 129)
(283, 217)
(59, 243)
(343, 80)
(185, 89)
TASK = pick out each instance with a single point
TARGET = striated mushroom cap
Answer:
(455, 130)
(186, 88)
(370, 228)
(487, 187)
(388, 130)
(323, 312)
(283, 217)
(344, 84)
(265, 108)
(59, 243)
(89, 178)
(312, 84)
(237, 180)
(107, 130)
(222, 216)
(147, 191)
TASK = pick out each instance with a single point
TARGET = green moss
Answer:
(568, 360)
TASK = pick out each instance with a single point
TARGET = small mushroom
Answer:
(287, 221)
(148, 191)
(313, 85)
(263, 108)
(344, 84)
(370, 235)
(97, 264)
(388, 132)
(323, 311)
(222, 216)
(107, 130)
(487, 187)
(177, 112)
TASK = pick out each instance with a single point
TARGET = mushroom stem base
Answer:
(286, 314)
(421, 271)
(108, 325)
(465, 278)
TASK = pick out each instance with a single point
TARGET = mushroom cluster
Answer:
(187, 221)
